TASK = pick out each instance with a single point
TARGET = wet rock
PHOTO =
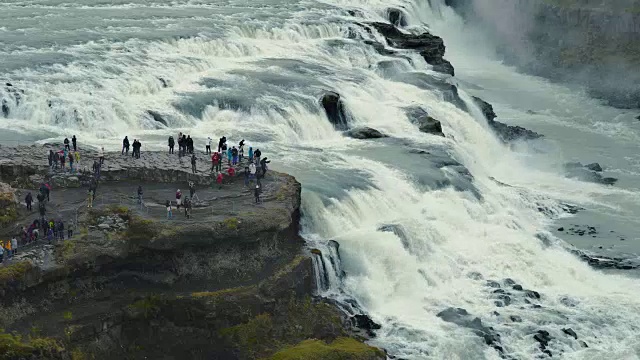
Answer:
(334, 108)
(568, 302)
(104, 227)
(396, 17)
(594, 167)
(532, 294)
(515, 318)
(5, 109)
(543, 337)
(493, 284)
(430, 125)
(164, 82)
(430, 47)
(570, 332)
(364, 322)
(561, 229)
(157, 117)
(462, 318)
(508, 282)
(583, 344)
(517, 287)
(505, 132)
(365, 133)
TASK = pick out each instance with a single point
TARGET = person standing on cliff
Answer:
(190, 144)
(96, 169)
(234, 155)
(257, 155)
(187, 208)
(241, 150)
(71, 159)
(125, 146)
(101, 155)
(192, 189)
(246, 176)
(263, 166)
(193, 163)
(74, 142)
(219, 180)
(63, 159)
(250, 154)
(178, 199)
(90, 196)
(256, 193)
(169, 213)
(172, 143)
(28, 200)
(208, 146)
(77, 156)
(229, 155)
(184, 145)
(66, 144)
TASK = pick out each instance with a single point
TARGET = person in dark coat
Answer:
(172, 143)
(125, 145)
(28, 200)
(74, 142)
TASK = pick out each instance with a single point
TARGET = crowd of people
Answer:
(255, 168)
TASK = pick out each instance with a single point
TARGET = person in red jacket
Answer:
(219, 180)
(215, 162)
(231, 172)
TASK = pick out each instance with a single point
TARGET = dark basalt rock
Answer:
(334, 108)
(431, 47)
(515, 318)
(543, 337)
(396, 17)
(508, 282)
(462, 318)
(425, 123)
(570, 332)
(532, 294)
(594, 167)
(505, 132)
(157, 117)
(365, 133)
(364, 322)
(493, 284)
(5, 109)
(590, 173)
(517, 287)
(607, 262)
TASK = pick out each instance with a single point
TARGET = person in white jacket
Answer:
(14, 245)
(101, 155)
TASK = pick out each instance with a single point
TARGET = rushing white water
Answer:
(255, 70)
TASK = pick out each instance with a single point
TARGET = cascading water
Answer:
(424, 223)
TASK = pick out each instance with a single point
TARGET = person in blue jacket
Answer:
(250, 154)
(229, 155)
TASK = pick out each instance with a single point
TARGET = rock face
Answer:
(425, 123)
(462, 318)
(132, 282)
(8, 204)
(157, 117)
(334, 108)
(430, 47)
(505, 132)
(396, 17)
(365, 133)
(590, 173)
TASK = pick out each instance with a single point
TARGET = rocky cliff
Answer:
(234, 281)
(586, 42)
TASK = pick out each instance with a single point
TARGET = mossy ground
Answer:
(340, 349)
(13, 346)
(15, 271)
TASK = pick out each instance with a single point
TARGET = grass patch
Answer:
(231, 223)
(13, 346)
(231, 291)
(67, 249)
(141, 230)
(15, 271)
(340, 349)
(119, 210)
(8, 215)
(67, 315)
(146, 307)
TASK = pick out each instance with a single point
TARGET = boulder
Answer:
(430, 47)
(157, 117)
(594, 167)
(334, 108)
(543, 337)
(364, 322)
(365, 133)
(462, 318)
(424, 122)
(8, 204)
(570, 332)
(505, 132)
(515, 318)
(396, 17)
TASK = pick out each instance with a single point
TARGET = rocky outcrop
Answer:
(462, 318)
(132, 284)
(505, 132)
(365, 133)
(396, 17)
(8, 204)
(590, 173)
(335, 110)
(590, 43)
(430, 47)
(157, 117)
(424, 122)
